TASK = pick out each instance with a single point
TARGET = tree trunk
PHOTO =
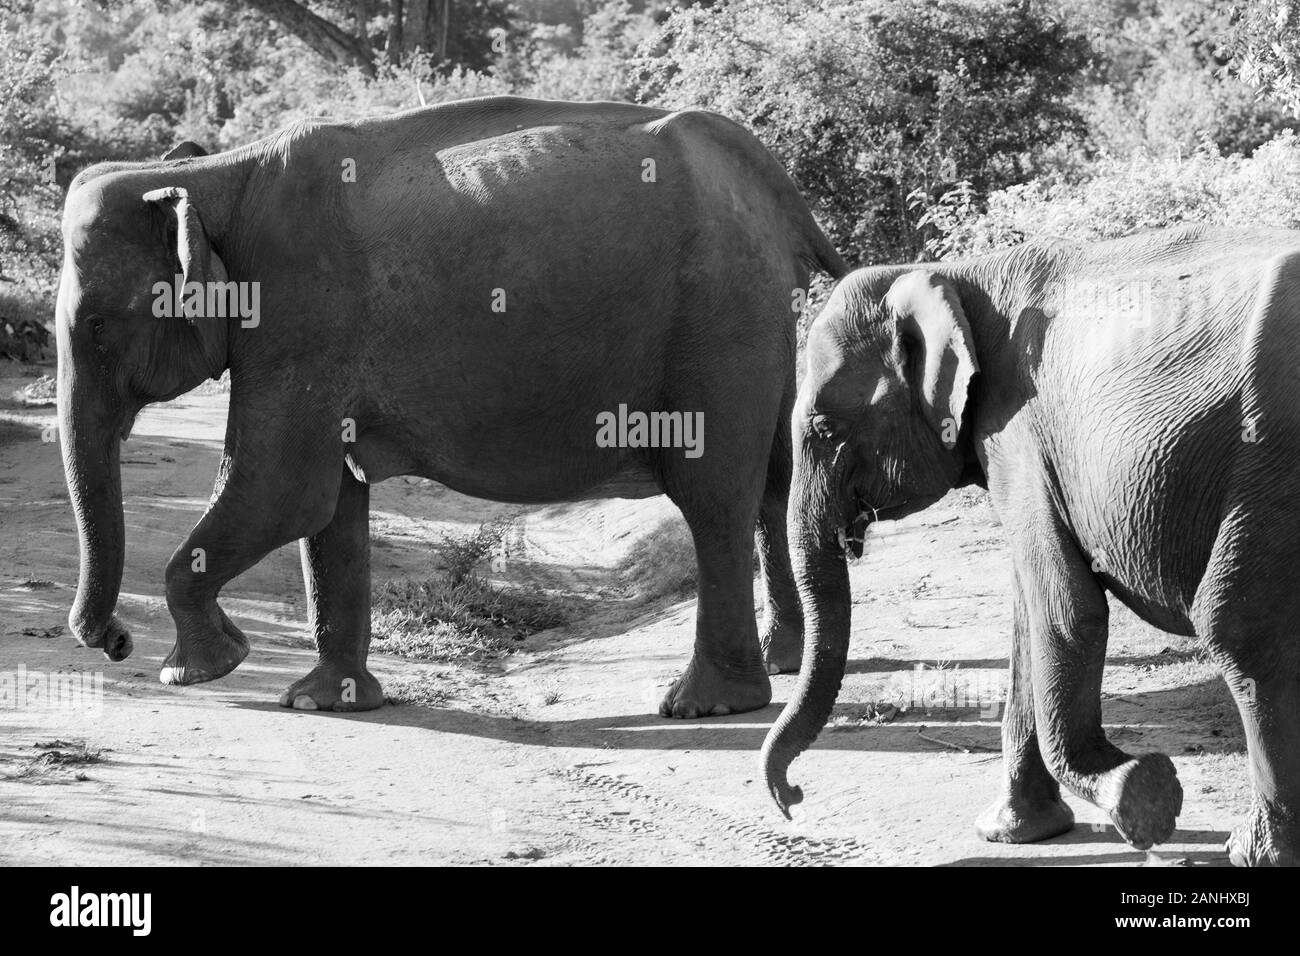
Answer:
(397, 26)
(428, 26)
(416, 34)
(444, 31)
(328, 40)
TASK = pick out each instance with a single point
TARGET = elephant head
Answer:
(878, 434)
(126, 228)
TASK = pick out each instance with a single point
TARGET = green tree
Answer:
(1163, 79)
(32, 138)
(354, 33)
(869, 101)
(360, 34)
(1266, 39)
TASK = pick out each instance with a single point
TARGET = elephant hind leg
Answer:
(1269, 705)
(781, 631)
(336, 572)
(719, 495)
(721, 492)
(1246, 616)
(1067, 618)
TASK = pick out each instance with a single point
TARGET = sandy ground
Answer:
(553, 755)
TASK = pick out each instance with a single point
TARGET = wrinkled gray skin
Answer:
(1107, 395)
(665, 288)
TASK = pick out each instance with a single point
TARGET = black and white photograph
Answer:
(638, 433)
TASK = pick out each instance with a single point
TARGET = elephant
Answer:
(460, 292)
(1129, 405)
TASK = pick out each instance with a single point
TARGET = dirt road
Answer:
(550, 756)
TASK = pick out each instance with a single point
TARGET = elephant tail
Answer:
(822, 254)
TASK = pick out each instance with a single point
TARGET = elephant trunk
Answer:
(90, 437)
(816, 521)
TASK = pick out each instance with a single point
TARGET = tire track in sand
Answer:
(698, 830)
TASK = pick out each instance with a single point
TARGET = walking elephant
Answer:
(1131, 408)
(464, 292)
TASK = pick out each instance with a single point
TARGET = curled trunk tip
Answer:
(775, 767)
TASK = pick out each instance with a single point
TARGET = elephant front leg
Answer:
(208, 644)
(1068, 622)
(336, 571)
(224, 544)
(1030, 807)
(262, 501)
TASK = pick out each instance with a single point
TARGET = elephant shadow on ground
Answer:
(1087, 834)
(867, 665)
(1174, 720)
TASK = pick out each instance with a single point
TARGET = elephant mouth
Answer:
(852, 536)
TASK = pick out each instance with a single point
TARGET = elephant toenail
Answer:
(303, 702)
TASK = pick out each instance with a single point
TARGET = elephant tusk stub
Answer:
(852, 537)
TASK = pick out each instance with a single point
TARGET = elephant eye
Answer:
(823, 427)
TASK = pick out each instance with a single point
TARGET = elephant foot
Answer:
(1266, 839)
(1143, 798)
(706, 690)
(1020, 820)
(782, 648)
(336, 687)
(114, 639)
(213, 652)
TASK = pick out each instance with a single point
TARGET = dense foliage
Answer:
(868, 100)
(1116, 197)
(1266, 35)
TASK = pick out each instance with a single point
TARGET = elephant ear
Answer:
(185, 150)
(940, 347)
(199, 263)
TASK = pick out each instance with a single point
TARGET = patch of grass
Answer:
(426, 688)
(456, 621)
(862, 715)
(463, 553)
(662, 562)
